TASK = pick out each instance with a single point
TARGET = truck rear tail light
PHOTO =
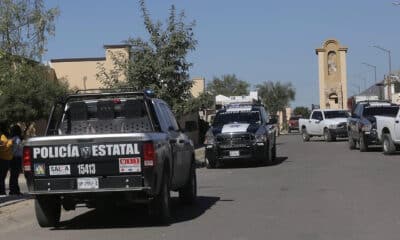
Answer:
(149, 155)
(27, 159)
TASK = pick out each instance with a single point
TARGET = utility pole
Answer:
(389, 78)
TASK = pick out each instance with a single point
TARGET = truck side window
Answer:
(317, 115)
(169, 117)
(358, 110)
(55, 119)
(264, 116)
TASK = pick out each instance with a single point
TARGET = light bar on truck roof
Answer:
(379, 104)
(239, 109)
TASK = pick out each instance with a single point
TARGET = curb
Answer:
(10, 200)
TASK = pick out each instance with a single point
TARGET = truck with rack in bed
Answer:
(109, 147)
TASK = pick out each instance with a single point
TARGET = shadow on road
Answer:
(135, 217)
(253, 164)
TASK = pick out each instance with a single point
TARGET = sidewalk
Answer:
(11, 199)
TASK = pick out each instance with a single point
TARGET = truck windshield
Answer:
(336, 114)
(239, 117)
(105, 116)
(389, 111)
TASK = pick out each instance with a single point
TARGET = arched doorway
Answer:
(333, 101)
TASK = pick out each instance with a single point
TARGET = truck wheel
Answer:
(188, 193)
(352, 143)
(210, 163)
(327, 135)
(48, 210)
(363, 143)
(388, 145)
(273, 155)
(161, 209)
(305, 135)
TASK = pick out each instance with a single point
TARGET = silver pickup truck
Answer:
(106, 148)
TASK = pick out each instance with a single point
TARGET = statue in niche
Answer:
(332, 67)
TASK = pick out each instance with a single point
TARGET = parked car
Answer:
(245, 133)
(388, 130)
(294, 123)
(362, 125)
(109, 148)
(327, 123)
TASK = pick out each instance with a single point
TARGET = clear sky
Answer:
(256, 40)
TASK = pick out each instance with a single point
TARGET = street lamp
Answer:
(372, 66)
(389, 82)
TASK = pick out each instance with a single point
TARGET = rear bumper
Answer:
(41, 186)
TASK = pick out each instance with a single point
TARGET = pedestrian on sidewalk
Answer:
(16, 162)
(5, 157)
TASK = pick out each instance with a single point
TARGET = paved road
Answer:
(318, 191)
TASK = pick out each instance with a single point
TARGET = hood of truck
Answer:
(335, 121)
(236, 128)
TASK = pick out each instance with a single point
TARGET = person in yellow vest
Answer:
(6, 155)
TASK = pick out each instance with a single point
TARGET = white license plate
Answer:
(88, 183)
(58, 170)
(234, 153)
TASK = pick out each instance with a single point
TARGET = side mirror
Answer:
(353, 115)
(273, 121)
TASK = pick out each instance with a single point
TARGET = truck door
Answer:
(315, 126)
(177, 143)
(397, 128)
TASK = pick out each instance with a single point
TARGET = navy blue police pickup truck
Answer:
(109, 147)
(241, 132)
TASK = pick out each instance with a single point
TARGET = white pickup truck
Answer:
(388, 131)
(327, 123)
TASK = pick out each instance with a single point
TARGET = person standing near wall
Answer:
(5, 157)
(16, 162)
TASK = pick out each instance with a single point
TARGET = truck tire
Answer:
(210, 164)
(305, 135)
(266, 158)
(388, 145)
(188, 194)
(161, 205)
(273, 154)
(48, 210)
(352, 143)
(327, 135)
(363, 143)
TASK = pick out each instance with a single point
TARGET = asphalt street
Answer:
(317, 190)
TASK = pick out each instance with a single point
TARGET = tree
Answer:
(160, 62)
(27, 88)
(276, 96)
(29, 94)
(302, 111)
(25, 26)
(228, 85)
